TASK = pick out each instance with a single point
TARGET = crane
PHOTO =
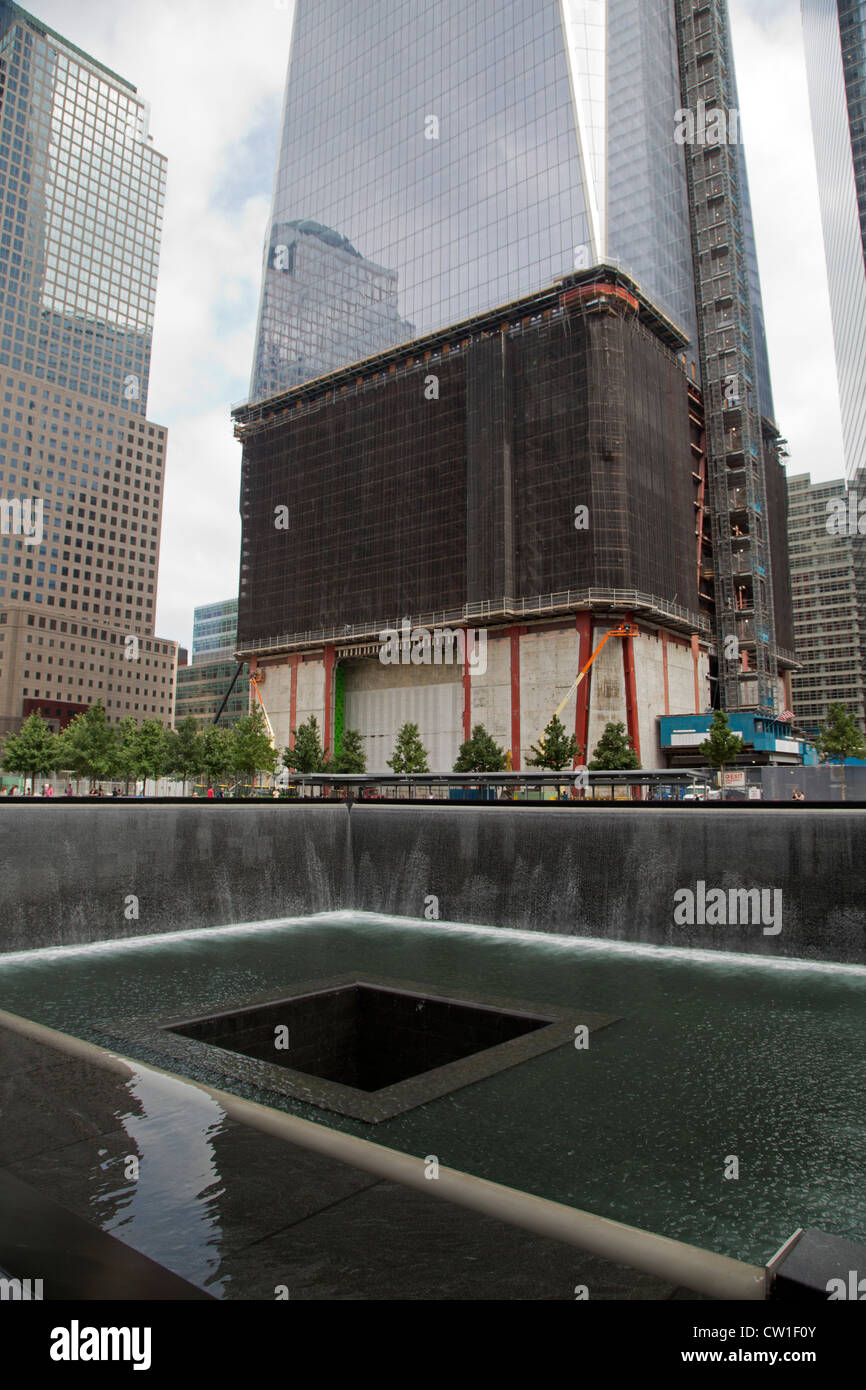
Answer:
(624, 630)
(255, 678)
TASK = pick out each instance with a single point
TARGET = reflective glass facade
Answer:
(202, 687)
(81, 196)
(214, 628)
(835, 36)
(508, 144)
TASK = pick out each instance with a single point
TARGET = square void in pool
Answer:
(370, 1049)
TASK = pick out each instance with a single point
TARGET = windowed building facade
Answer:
(81, 467)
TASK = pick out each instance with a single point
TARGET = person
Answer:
(798, 795)
(210, 793)
(68, 788)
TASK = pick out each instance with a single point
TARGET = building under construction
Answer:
(535, 476)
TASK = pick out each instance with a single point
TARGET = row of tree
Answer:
(555, 750)
(89, 747)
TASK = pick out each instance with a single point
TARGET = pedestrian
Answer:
(68, 788)
(210, 793)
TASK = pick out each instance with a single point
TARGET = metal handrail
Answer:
(503, 608)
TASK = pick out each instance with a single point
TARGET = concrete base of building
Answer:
(512, 681)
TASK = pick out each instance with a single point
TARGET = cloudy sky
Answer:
(213, 71)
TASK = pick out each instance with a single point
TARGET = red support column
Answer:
(696, 652)
(293, 700)
(581, 714)
(515, 633)
(467, 702)
(665, 671)
(630, 688)
(327, 732)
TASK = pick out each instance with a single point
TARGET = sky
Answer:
(214, 72)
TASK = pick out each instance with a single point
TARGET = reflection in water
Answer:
(170, 1211)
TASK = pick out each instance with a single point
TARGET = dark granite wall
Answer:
(68, 870)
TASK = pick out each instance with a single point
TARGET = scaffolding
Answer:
(736, 470)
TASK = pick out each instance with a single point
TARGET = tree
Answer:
(840, 738)
(253, 750)
(150, 751)
(217, 750)
(184, 750)
(556, 749)
(614, 751)
(33, 751)
(722, 747)
(307, 754)
(351, 757)
(410, 755)
(480, 753)
(126, 765)
(88, 746)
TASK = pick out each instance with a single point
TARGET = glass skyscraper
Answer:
(81, 197)
(82, 194)
(439, 160)
(835, 38)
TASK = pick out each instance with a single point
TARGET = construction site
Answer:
(540, 474)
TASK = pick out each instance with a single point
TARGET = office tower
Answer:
(828, 579)
(508, 144)
(516, 154)
(214, 630)
(81, 466)
(835, 41)
(202, 685)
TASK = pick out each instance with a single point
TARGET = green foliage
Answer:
(217, 753)
(351, 757)
(184, 750)
(150, 751)
(253, 750)
(480, 753)
(88, 746)
(33, 751)
(307, 754)
(126, 764)
(840, 738)
(722, 747)
(555, 749)
(614, 751)
(410, 755)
